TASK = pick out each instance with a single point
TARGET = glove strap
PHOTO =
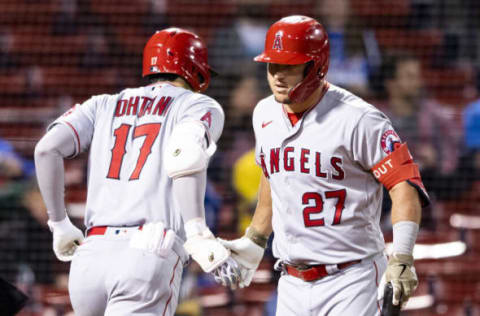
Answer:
(196, 226)
(256, 237)
(402, 258)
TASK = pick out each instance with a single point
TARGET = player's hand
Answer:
(228, 274)
(247, 255)
(208, 252)
(401, 273)
(66, 238)
(154, 238)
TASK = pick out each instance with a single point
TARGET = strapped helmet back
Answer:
(180, 52)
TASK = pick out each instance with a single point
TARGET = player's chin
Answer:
(282, 98)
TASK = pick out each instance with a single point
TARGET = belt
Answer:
(177, 246)
(316, 272)
(102, 230)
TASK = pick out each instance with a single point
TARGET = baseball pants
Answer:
(349, 292)
(107, 277)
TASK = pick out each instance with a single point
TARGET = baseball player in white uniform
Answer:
(149, 149)
(325, 155)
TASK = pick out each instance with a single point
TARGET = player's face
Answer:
(282, 78)
(409, 79)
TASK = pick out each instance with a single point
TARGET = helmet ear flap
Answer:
(308, 68)
(308, 85)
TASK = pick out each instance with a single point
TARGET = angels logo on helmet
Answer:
(277, 44)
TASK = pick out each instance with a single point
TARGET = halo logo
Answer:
(278, 42)
(389, 138)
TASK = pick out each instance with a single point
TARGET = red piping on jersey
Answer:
(171, 292)
(376, 282)
(295, 117)
(76, 135)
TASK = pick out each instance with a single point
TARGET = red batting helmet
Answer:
(180, 52)
(296, 40)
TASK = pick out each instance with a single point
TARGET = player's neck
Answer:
(178, 82)
(312, 100)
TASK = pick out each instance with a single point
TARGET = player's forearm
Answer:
(405, 203)
(50, 177)
(49, 153)
(406, 213)
(189, 195)
(262, 219)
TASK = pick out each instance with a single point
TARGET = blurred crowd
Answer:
(416, 60)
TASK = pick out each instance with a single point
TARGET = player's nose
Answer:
(279, 76)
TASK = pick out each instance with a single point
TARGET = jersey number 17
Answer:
(150, 131)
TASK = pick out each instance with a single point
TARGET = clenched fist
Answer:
(66, 238)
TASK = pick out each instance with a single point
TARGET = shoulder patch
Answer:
(389, 138)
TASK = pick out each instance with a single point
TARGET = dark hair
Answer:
(162, 77)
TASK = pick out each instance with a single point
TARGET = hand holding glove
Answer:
(208, 252)
(247, 254)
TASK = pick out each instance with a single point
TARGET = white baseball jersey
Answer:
(326, 202)
(127, 134)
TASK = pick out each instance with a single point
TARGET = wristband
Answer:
(404, 237)
(256, 237)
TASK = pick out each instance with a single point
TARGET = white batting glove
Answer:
(247, 254)
(208, 252)
(154, 238)
(66, 238)
(401, 274)
(228, 274)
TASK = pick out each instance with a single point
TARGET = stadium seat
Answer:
(21, 12)
(216, 300)
(421, 42)
(380, 8)
(13, 83)
(75, 82)
(450, 86)
(470, 226)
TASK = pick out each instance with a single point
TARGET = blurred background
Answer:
(416, 60)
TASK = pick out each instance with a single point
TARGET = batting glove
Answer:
(401, 274)
(247, 255)
(66, 238)
(208, 252)
(228, 274)
(154, 238)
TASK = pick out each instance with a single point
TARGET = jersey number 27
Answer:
(340, 195)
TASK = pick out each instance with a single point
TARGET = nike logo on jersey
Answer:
(265, 124)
